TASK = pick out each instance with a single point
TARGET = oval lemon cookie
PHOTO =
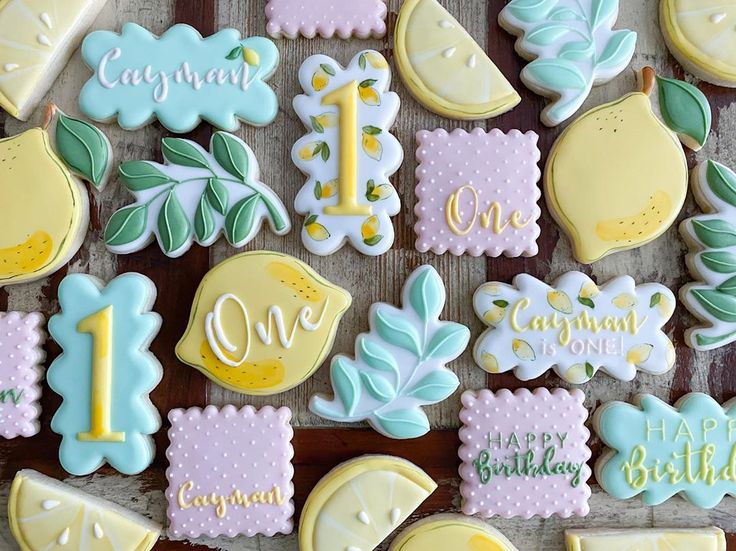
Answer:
(450, 531)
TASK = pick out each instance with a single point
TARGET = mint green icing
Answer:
(84, 149)
(685, 110)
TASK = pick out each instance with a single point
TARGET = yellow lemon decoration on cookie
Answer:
(444, 68)
(359, 503)
(560, 301)
(261, 323)
(451, 532)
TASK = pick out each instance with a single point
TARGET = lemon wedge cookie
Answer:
(701, 34)
(445, 68)
(451, 531)
(359, 503)
(47, 514)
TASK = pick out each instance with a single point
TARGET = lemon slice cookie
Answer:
(445, 69)
(449, 531)
(701, 34)
(652, 539)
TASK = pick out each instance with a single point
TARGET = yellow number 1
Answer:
(99, 325)
(346, 99)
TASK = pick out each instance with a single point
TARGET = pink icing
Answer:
(522, 413)
(21, 356)
(222, 451)
(501, 167)
(361, 18)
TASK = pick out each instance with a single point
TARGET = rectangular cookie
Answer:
(669, 539)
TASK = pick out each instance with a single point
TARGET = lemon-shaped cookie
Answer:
(359, 503)
(445, 68)
(45, 514)
(261, 323)
(701, 34)
(451, 532)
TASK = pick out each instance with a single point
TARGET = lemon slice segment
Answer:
(451, 531)
(359, 503)
(46, 515)
(445, 68)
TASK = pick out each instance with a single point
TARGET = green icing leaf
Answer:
(83, 148)
(501, 303)
(182, 152)
(142, 175)
(565, 14)
(714, 234)
(126, 225)
(530, 11)
(719, 262)
(397, 330)
(589, 370)
(449, 342)
(719, 305)
(435, 386)
(547, 33)
(234, 53)
(618, 51)
(656, 299)
(556, 74)
(217, 195)
(586, 302)
(173, 225)
(239, 221)
(346, 382)
(728, 287)
(722, 181)
(378, 386)
(427, 294)
(230, 154)
(577, 50)
(204, 221)
(376, 356)
(328, 69)
(601, 11)
(361, 62)
(686, 111)
(404, 423)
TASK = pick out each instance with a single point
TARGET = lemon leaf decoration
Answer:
(686, 111)
(378, 386)
(728, 287)
(234, 53)
(318, 190)
(204, 221)
(346, 381)
(240, 220)
(559, 301)
(720, 262)
(722, 181)
(178, 151)
(83, 148)
(140, 175)
(217, 195)
(719, 305)
(586, 302)
(655, 300)
(328, 69)
(427, 295)
(126, 225)
(173, 224)
(410, 423)
(715, 234)
(435, 386)
(316, 125)
(522, 350)
(397, 330)
(230, 154)
(376, 356)
(639, 354)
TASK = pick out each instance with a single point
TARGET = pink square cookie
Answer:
(21, 356)
(360, 18)
(477, 192)
(524, 453)
(230, 472)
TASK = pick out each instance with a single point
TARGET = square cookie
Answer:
(524, 453)
(477, 192)
(309, 18)
(230, 472)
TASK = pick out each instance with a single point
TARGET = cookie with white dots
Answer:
(524, 453)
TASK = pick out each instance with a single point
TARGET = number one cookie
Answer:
(348, 154)
(105, 373)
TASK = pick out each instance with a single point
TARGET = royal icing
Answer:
(348, 154)
(230, 472)
(48, 208)
(195, 197)
(360, 502)
(712, 258)
(432, 50)
(573, 47)
(449, 531)
(179, 78)
(38, 38)
(701, 34)
(399, 365)
(524, 453)
(477, 192)
(21, 370)
(616, 178)
(656, 539)
(359, 18)
(47, 514)
(575, 327)
(262, 323)
(658, 450)
(105, 373)
(685, 110)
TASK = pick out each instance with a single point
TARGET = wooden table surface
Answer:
(320, 445)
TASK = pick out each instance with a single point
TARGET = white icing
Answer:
(717, 17)
(46, 20)
(99, 533)
(63, 538)
(472, 61)
(395, 516)
(445, 24)
(44, 40)
(49, 504)
(352, 548)
(8, 67)
(364, 518)
(449, 52)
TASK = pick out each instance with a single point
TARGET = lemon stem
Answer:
(647, 78)
(48, 115)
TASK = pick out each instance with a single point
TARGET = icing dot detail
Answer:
(98, 532)
(46, 20)
(63, 538)
(449, 52)
(395, 515)
(49, 504)
(717, 17)
(363, 517)
(44, 40)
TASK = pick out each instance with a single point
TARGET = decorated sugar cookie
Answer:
(360, 502)
(574, 327)
(712, 257)
(195, 197)
(399, 365)
(38, 38)
(477, 192)
(656, 539)
(432, 50)
(701, 34)
(616, 178)
(47, 514)
(658, 450)
(21, 370)
(262, 323)
(326, 18)
(45, 206)
(105, 373)
(348, 154)
(448, 531)
(230, 472)
(524, 453)
(573, 47)
(179, 78)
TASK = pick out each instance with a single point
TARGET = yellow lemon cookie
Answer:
(261, 323)
(451, 532)
(701, 34)
(444, 68)
(646, 539)
(360, 502)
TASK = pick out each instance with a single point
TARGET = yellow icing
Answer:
(455, 532)
(704, 33)
(445, 68)
(221, 502)
(490, 219)
(346, 98)
(359, 503)
(46, 208)
(609, 168)
(279, 316)
(42, 512)
(694, 539)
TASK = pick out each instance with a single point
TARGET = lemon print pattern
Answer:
(560, 301)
